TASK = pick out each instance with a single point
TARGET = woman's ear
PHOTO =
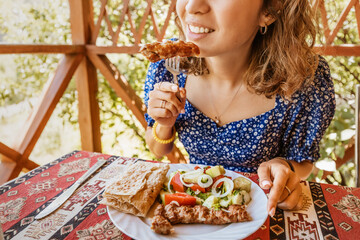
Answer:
(266, 19)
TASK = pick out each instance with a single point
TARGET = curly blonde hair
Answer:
(282, 60)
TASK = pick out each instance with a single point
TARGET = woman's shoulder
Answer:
(322, 73)
(322, 85)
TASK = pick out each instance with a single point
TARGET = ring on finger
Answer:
(163, 103)
(287, 189)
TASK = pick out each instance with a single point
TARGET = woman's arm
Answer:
(163, 132)
(164, 106)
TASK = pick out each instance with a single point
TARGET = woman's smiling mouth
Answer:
(197, 29)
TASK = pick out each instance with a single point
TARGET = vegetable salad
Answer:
(207, 186)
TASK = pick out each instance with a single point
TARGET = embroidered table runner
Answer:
(330, 212)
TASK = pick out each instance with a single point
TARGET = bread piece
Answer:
(137, 188)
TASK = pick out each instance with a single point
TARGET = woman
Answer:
(264, 101)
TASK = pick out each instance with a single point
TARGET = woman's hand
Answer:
(286, 192)
(164, 105)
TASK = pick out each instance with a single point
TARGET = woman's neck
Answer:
(228, 68)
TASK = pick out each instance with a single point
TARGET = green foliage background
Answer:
(45, 21)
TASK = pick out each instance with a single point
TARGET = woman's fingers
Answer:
(264, 172)
(169, 97)
(291, 185)
(166, 87)
(293, 201)
(159, 113)
(280, 179)
(167, 105)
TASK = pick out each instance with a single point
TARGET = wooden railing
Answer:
(84, 57)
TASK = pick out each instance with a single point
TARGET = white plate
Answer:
(139, 228)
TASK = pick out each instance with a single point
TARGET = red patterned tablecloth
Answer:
(330, 212)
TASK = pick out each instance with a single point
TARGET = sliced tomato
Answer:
(181, 198)
(206, 168)
(176, 183)
(217, 178)
(197, 187)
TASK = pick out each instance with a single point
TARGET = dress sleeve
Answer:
(156, 73)
(312, 111)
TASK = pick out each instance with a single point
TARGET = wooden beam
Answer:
(79, 20)
(30, 165)
(40, 49)
(9, 152)
(125, 10)
(89, 115)
(324, 19)
(357, 16)
(340, 22)
(340, 50)
(8, 162)
(86, 77)
(113, 49)
(42, 112)
(349, 155)
(128, 95)
(96, 29)
(7, 165)
(139, 34)
(172, 8)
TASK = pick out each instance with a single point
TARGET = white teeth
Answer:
(199, 29)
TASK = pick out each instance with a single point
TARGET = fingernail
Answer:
(265, 184)
(174, 88)
(182, 110)
(272, 212)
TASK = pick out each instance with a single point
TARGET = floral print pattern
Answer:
(292, 129)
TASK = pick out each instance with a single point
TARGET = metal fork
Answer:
(173, 66)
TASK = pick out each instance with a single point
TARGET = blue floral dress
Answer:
(292, 129)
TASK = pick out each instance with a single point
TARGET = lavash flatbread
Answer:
(137, 188)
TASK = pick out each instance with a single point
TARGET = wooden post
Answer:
(81, 18)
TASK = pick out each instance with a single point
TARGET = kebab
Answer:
(168, 49)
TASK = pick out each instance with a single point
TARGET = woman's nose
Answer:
(197, 6)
